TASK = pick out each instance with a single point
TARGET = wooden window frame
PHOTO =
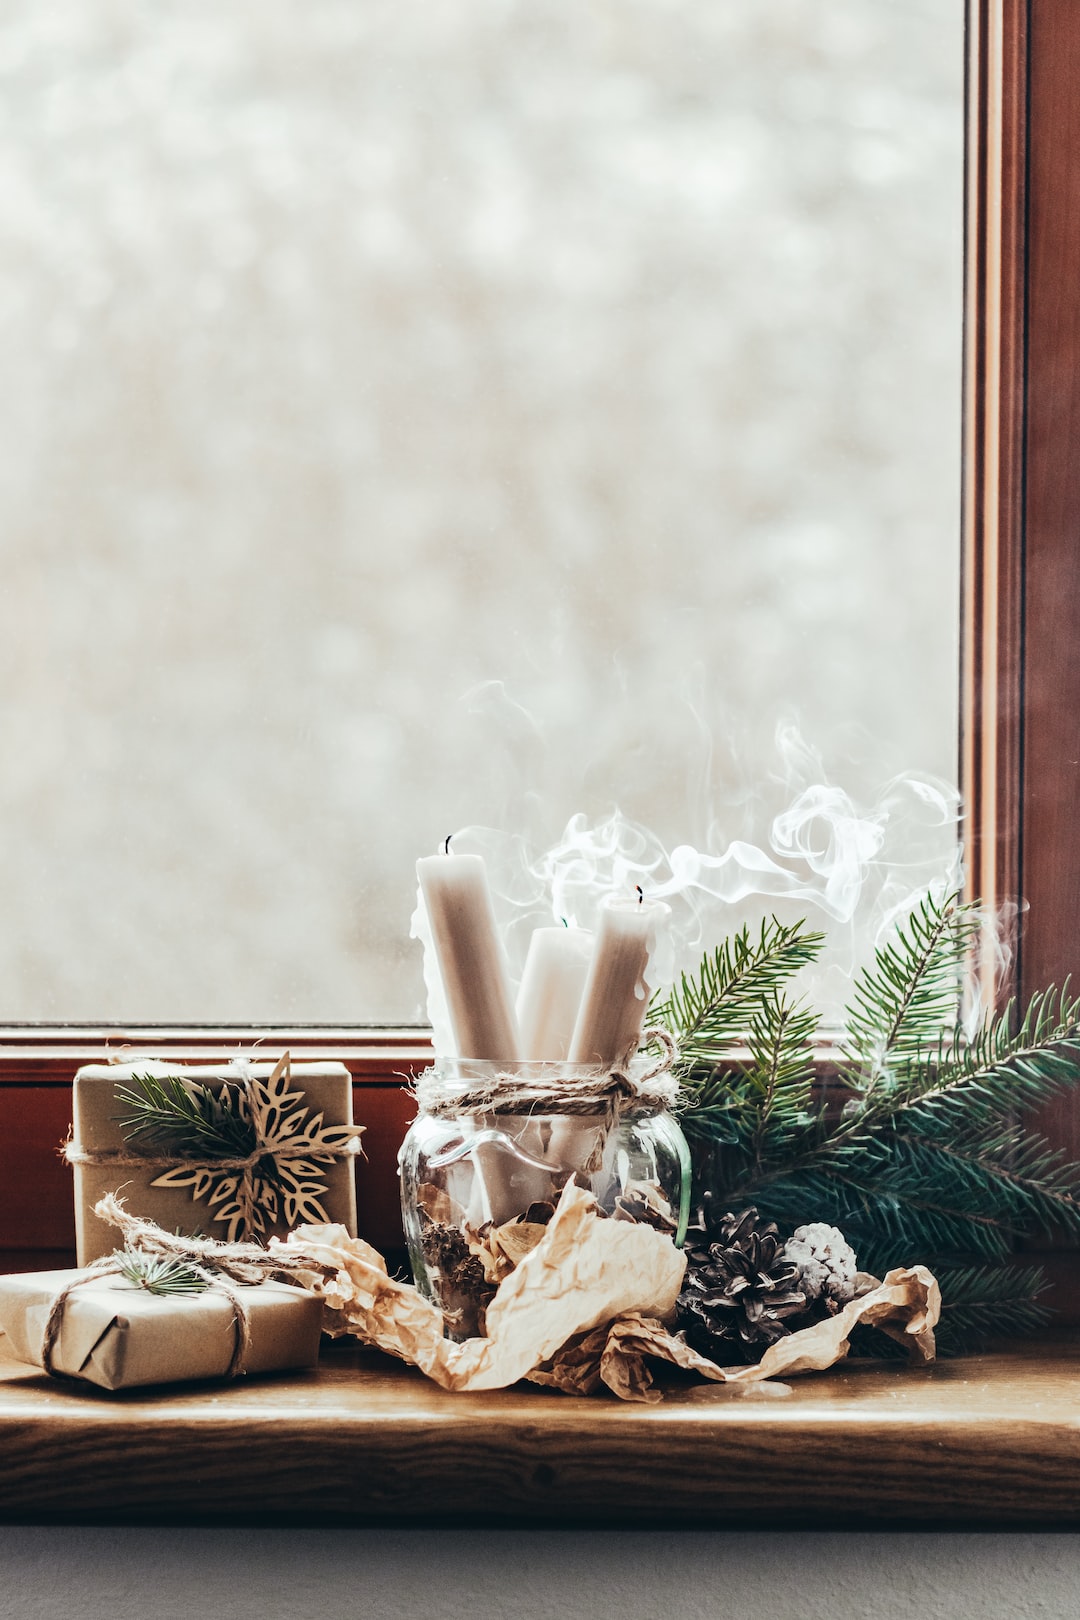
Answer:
(1021, 597)
(1020, 763)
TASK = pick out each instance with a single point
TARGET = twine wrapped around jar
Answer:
(552, 1088)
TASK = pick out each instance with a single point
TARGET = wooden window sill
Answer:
(989, 1441)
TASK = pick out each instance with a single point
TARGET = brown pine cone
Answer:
(739, 1291)
(457, 1278)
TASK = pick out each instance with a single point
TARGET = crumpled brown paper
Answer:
(583, 1309)
(617, 1355)
(585, 1271)
(906, 1306)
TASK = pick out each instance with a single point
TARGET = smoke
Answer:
(990, 977)
(851, 869)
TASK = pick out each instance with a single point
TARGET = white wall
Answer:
(48, 1574)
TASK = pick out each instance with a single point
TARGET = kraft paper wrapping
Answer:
(585, 1271)
(327, 1089)
(116, 1335)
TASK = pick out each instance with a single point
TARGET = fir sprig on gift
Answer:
(160, 1276)
(189, 1120)
(920, 1156)
(254, 1150)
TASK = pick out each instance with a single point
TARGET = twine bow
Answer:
(611, 1092)
(283, 1134)
(218, 1264)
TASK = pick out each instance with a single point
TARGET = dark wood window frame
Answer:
(1020, 759)
(1020, 755)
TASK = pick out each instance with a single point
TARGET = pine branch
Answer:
(908, 1198)
(776, 1090)
(977, 1305)
(1001, 1069)
(926, 1161)
(902, 1002)
(161, 1276)
(890, 1212)
(182, 1117)
(980, 1303)
(974, 1198)
(764, 1106)
(1014, 1176)
(712, 1011)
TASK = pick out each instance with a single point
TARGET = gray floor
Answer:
(266, 1575)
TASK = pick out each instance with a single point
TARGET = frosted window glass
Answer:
(423, 415)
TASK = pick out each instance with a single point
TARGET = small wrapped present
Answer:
(239, 1151)
(119, 1334)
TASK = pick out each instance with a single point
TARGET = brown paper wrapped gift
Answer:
(190, 1196)
(115, 1334)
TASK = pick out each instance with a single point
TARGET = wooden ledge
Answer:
(989, 1441)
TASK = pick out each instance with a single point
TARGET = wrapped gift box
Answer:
(197, 1198)
(117, 1335)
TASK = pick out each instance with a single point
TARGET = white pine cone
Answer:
(826, 1262)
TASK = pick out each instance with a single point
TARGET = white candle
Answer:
(616, 995)
(471, 964)
(551, 988)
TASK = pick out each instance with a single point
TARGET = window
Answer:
(1022, 499)
(428, 419)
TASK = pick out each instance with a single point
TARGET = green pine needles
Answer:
(160, 1276)
(171, 1114)
(916, 1152)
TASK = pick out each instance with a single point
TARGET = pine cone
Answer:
(457, 1279)
(739, 1291)
(826, 1263)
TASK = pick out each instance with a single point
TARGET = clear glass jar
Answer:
(464, 1173)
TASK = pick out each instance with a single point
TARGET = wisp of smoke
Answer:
(851, 870)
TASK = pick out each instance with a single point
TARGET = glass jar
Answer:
(465, 1173)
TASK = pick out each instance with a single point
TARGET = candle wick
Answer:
(640, 894)
(446, 844)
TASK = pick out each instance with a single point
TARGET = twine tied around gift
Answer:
(282, 1134)
(610, 1092)
(218, 1264)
